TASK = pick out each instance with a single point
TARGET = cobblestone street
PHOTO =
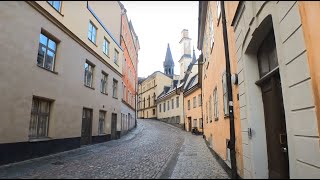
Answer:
(152, 150)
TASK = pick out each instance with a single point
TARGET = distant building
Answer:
(148, 91)
(170, 101)
(130, 45)
(192, 96)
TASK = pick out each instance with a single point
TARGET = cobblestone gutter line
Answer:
(82, 150)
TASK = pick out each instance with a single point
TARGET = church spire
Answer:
(168, 64)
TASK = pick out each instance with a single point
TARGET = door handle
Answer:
(284, 149)
(283, 138)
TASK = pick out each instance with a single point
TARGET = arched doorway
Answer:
(275, 120)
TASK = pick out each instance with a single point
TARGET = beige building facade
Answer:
(62, 83)
(148, 91)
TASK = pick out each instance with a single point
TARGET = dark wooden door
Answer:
(189, 123)
(114, 126)
(275, 128)
(86, 126)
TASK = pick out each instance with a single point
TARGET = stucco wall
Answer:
(22, 78)
(194, 113)
(217, 132)
(303, 137)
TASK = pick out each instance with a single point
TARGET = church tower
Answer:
(168, 64)
(186, 58)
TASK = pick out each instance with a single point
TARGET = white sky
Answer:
(157, 24)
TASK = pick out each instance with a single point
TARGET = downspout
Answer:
(230, 97)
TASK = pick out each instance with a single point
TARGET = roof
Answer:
(193, 81)
(152, 75)
(168, 89)
(168, 60)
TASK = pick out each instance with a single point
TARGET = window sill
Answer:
(39, 139)
(93, 42)
(103, 134)
(216, 119)
(115, 98)
(226, 116)
(89, 87)
(106, 54)
(104, 93)
(48, 70)
(56, 9)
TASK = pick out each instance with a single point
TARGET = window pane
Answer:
(33, 126)
(41, 54)
(49, 60)
(43, 39)
(56, 5)
(89, 35)
(52, 45)
(43, 124)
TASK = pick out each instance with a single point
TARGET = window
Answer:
(188, 104)
(211, 28)
(200, 99)
(56, 5)
(46, 52)
(218, 10)
(105, 47)
(92, 33)
(154, 111)
(210, 108)
(115, 88)
(195, 122)
(159, 107)
(88, 74)
(195, 102)
(164, 107)
(172, 105)
(207, 111)
(177, 102)
(225, 95)
(39, 122)
(200, 123)
(104, 83)
(216, 111)
(102, 117)
(149, 101)
(116, 56)
(124, 92)
(168, 105)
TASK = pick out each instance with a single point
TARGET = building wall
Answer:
(217, 131)
(129, 75)
(22, 78)
(309, 11)
(76, 16)
(194, 113)
(172, 112)
(105, 9)
(303, 136)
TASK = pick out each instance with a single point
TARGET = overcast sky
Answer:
(159, 23)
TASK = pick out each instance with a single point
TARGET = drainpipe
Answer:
(229, 88)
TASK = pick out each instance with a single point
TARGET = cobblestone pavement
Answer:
(195, 161)
(149, 151)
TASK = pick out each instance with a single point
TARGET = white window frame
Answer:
(89, 71)
(52, 3)
(115, 89)
(104, 83)
(51, 46)
(92, 32)
(102, 122)
(105, 47)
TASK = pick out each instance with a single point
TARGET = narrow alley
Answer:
(152, 150)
